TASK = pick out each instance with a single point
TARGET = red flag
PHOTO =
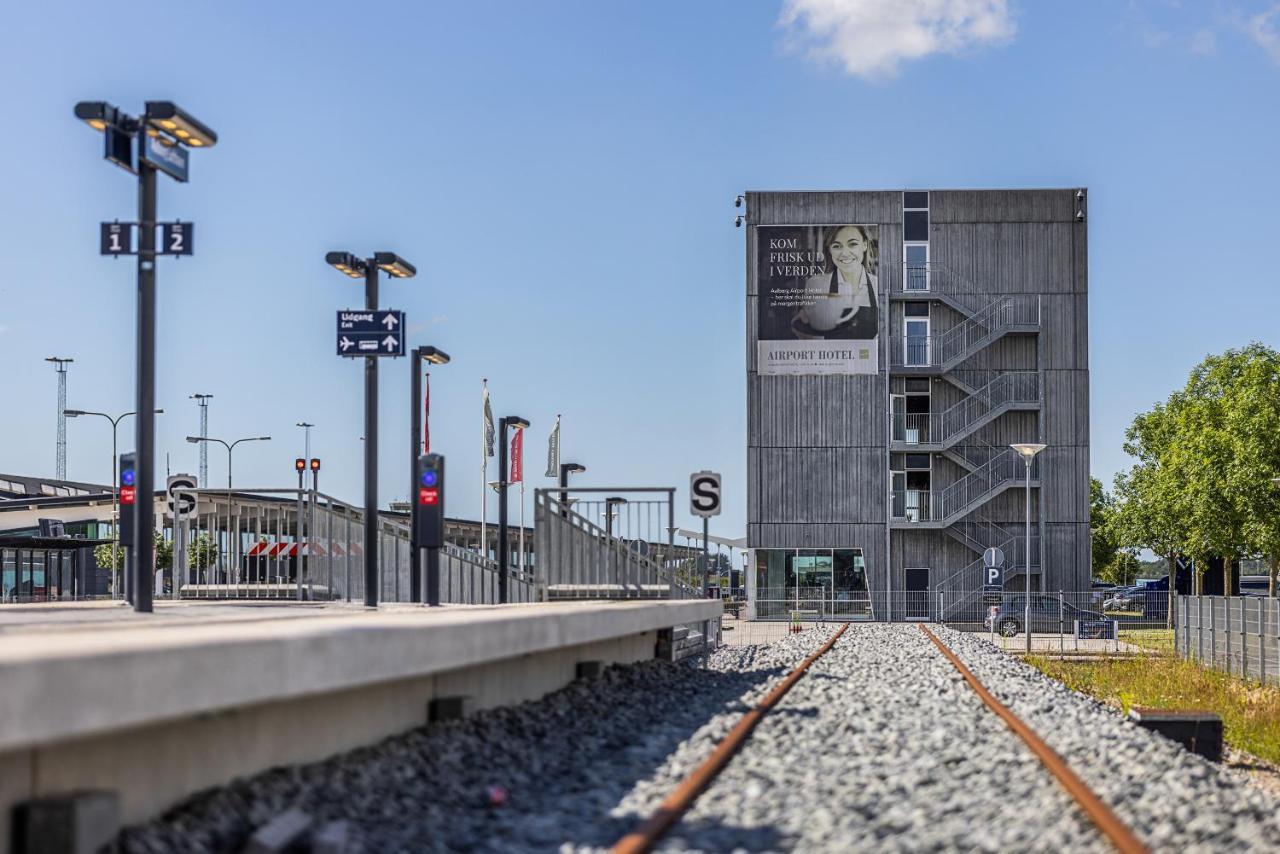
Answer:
(517, 457)
(426, 417)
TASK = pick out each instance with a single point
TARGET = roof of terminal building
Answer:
(26, 486)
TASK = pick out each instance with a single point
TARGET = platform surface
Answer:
(75, 669)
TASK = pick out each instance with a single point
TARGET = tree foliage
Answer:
(1206, 458)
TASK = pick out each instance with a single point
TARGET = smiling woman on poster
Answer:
(844, 304)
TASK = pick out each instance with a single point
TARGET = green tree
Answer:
(1206, 458)
(164, 554)
(1102, 530)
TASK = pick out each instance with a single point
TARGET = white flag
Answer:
(553, 451)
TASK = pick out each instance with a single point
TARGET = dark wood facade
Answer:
(818, 447)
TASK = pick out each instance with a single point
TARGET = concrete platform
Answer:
(156, 707)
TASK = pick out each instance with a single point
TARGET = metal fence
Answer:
(633, 556)
(1238, 634)
(1068, 621)
(306, 545)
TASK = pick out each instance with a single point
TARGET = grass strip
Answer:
(1250, 711)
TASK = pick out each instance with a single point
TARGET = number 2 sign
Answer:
(177, 238)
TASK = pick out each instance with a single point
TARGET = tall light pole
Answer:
(160, 135)
(230, 447)
(306, 427)
(417, 446)
(203, 401)
(115, 484)
(60, 364)
(506, 422)
(567, 469)
(232, 557)
(367, 268)
(1028, 451)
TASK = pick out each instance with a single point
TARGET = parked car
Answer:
(1047, 615)
(1122, 598)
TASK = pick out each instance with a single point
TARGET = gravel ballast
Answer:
(524, 778)
(880, 746)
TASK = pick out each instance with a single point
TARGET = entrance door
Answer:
(917, 593)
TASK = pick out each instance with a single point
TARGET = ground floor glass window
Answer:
(829, 582)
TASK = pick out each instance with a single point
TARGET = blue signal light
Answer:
(127, 477)
(429, 478)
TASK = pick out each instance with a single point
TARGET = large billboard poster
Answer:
(819, 305)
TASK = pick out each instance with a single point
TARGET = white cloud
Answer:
(871, 38)
(1264, 28)
(1204, 42)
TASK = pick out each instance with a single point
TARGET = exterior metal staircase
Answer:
(939, 431)
(945, 351)
(946, 507)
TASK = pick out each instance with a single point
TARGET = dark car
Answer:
(1047, 615)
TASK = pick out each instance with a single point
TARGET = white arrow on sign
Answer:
(390, 343)
(346, 343)
(390, 322)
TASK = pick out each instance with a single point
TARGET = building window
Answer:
(915, 241)
(915, 257)
(915, 338)
(832, 582)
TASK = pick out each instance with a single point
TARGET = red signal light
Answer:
(428, 495)
(315, 464)
(299, 464)
(128, 494)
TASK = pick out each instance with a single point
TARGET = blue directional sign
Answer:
(362, 332)
(169, 159)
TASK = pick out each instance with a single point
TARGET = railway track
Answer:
(682, 799)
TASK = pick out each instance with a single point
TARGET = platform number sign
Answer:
(704, 494)
(116, 238)
(177, 238)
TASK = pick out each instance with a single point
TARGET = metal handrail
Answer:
(1003, 389)
(965, 338)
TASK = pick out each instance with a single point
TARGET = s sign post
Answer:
(704, 501)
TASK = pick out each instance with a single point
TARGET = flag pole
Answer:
(484, 468)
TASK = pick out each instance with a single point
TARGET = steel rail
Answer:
(686, 793)
(1107, 822)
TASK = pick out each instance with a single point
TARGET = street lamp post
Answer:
(506, 422)
(115, 487)
(171, 127)
(233, 559)
(567, 469)
(306, 444)
(432, 356)
(610, 504)
(367, 268)
(1028, 451)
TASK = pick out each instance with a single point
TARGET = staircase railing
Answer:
(1004, 466)
(1002, 389)
(967, 337)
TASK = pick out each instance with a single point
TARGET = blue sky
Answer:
(562, 174)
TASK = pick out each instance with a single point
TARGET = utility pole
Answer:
(60, 364)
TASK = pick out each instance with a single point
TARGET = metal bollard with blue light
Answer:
(429, 527)
(128, 505)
